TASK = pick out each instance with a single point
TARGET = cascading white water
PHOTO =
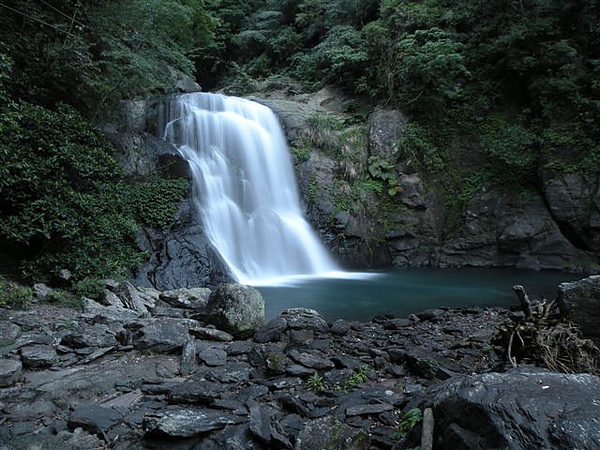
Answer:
(245, 188)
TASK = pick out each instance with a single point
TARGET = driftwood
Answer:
(427, 430)
(544, 338)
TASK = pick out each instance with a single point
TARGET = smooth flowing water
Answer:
(245, 188)
(404, 291)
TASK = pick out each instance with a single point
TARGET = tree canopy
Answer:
(90, 54)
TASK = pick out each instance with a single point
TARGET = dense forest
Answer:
(521, 75)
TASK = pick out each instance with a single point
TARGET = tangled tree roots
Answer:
(541, 337)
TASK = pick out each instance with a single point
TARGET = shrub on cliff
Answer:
(64, 200)
(13, 294)
(59, 196)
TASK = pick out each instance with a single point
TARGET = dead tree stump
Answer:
(542, 337)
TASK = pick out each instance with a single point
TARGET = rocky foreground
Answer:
(148, 369)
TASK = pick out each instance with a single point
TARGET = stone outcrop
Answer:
(522, 408)
(386, 127)
(496, 232)
(574, 202)
(579, 301)
(237, 309)
(180, 256)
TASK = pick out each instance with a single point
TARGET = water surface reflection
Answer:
(401, 292)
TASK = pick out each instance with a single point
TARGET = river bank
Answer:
(114, 378)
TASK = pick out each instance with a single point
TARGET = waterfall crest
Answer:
(245, 189)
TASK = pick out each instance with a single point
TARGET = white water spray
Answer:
(245, 189)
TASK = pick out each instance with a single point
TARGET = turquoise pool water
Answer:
(401, 292)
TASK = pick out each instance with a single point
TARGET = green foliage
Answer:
(60, 198)
(570, 150)
(513, 152)
(316, 383)
(108, 50)
(472, 184)
(373, 186)
(361, 374)
(323, 133)
(89, 287)
(138, 41)
(338, 59)
(5, 70)
(155, 203)
(64, 201)
(302, 153)
(238, 81)
(64, 299)
(321, 122)
(384, 171)
(425, 70)
(416, 141)
(14, 295)
(407, 422)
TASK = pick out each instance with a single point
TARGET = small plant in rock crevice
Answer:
(316, 383)
(409, 420)
(360, 375)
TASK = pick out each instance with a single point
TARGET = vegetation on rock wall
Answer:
(13, 294)
(449, 64)
(65, 201)
(518, 80)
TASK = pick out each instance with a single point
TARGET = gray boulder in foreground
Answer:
(524, 408)
(236, 309)
(579, 301)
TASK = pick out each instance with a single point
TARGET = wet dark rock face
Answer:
(523, 408)
(159, 375)
(181, 256)
(579, 301)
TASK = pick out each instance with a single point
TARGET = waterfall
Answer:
(245, 189)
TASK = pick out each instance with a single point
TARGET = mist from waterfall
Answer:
(245, 188)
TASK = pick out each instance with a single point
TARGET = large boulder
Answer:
(182, 82)
(525, 408)
(237, 309)
(579, 301)
(574, 201)
(386, 127)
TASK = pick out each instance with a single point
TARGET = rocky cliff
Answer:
(181, 255)
(376, 207)
(371, 201)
